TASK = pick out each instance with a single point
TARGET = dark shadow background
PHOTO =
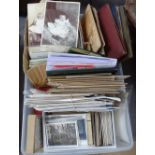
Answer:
(129, 66)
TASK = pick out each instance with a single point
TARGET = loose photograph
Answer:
(35, 23)
(61, 134)
(61, 24)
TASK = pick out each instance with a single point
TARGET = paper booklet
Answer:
(62, 62)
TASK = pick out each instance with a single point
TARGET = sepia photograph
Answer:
(61, 24)
(35, 23)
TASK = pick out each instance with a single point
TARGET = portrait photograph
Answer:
(61, 24)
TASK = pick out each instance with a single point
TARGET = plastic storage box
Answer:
(122, 126)
(123, 133)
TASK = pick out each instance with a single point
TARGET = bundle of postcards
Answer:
(76, 106)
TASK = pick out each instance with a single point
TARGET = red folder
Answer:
(114, 46)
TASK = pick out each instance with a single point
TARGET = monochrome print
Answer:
(61, 24)
(61, 134)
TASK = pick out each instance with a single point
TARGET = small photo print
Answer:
(35, 23)
(61, 134)
(61, 24)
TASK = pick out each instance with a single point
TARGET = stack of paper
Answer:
(66, 63)
(78, 92)
(87, 83)
(71, 101)
(103, 128)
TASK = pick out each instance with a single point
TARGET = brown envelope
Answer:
(91, 34)
(99, 30)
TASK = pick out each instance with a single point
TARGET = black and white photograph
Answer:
(61, 134)
(61, 24)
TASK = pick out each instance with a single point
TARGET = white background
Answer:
(9, 77)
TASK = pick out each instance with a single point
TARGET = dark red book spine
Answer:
(36, 112)
(114, 46)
